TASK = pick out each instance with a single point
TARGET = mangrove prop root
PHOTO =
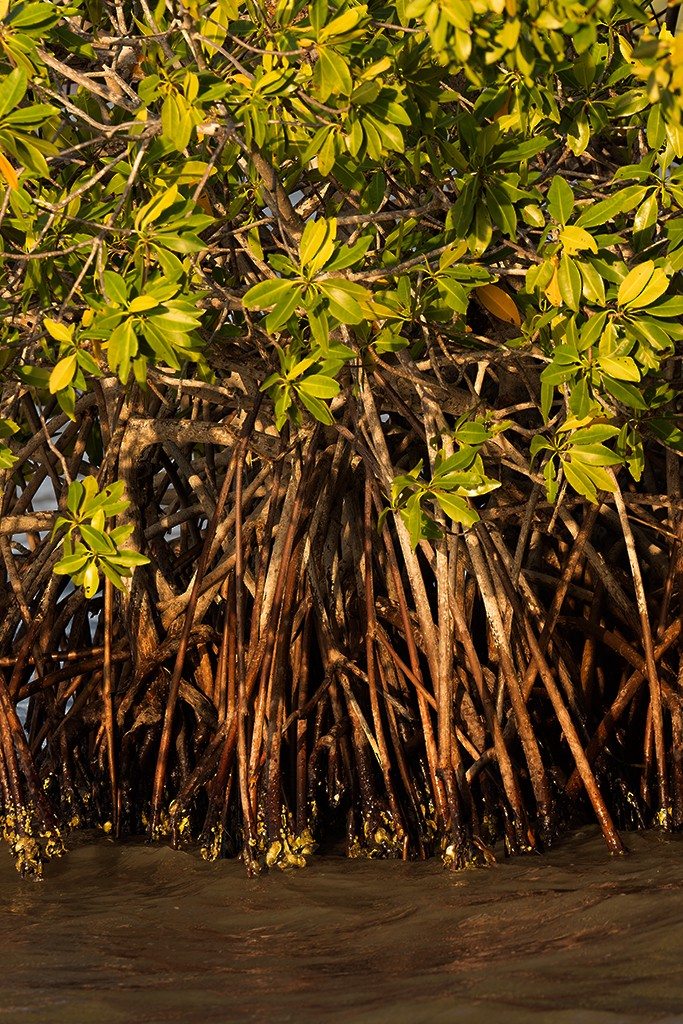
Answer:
(290, 674)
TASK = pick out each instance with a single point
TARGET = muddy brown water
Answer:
(120, 933)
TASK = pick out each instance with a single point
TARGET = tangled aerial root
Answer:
(290, 675)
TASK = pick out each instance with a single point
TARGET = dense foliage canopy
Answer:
(340, 356)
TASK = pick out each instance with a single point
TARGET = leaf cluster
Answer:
(317, 188)
(88, 544)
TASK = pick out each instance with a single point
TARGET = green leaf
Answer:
(547, 397)
(66, 399)
(594, 455)
(176, 122)
(560, 200)
(586, 479)
(283, 402)
(607, 209)
(87, 364)
(343, 23)
(414, 519)
(372, 196)
(627, 394)
(120, 534)
(670, 308)
(7, 428)
(152, 210)
(75, 496)
(464, 207)
(514, 155)
(650, 333)
(71, 564)
(284, 309)
(569, 281)
(170, 265)
(126, 558)
(579, 134)
(184, 243)
(317, 409)
(454, 294)
(593, 284)
(592, 329)
(332, 75)
(175, 319)
(315, 234)
(459, 461)
(392, 136)
(666, 431)
(319, 386)
(349, 255)
(346, 299)
(32, 118)
(7, 459)
(112, 575)
(12, 90)
(644, 223)
(472, 433)
(584, 70)
(116, 287)
(656, 127)
(551, 481)
(319, 324)
(502, 211)
(481, 232)
(92, 498)
(459, 509)
(267, 294)
(533, 215)
(97, 540)
(122, 347)
(580, 402)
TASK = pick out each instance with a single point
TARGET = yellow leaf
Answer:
(8, 172)
(575, 239)
(642, 286)
(552, 292)
(60, 332)
(498, 302)
(91, 580)
(63, 373)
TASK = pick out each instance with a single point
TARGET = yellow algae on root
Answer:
(31, 842)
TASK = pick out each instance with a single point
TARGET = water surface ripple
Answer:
(121, 933)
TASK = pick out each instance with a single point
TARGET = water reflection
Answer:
(133, 933)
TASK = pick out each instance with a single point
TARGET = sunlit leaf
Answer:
(560, 200)
(497, 301)
(63, 373)
(8, 172)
